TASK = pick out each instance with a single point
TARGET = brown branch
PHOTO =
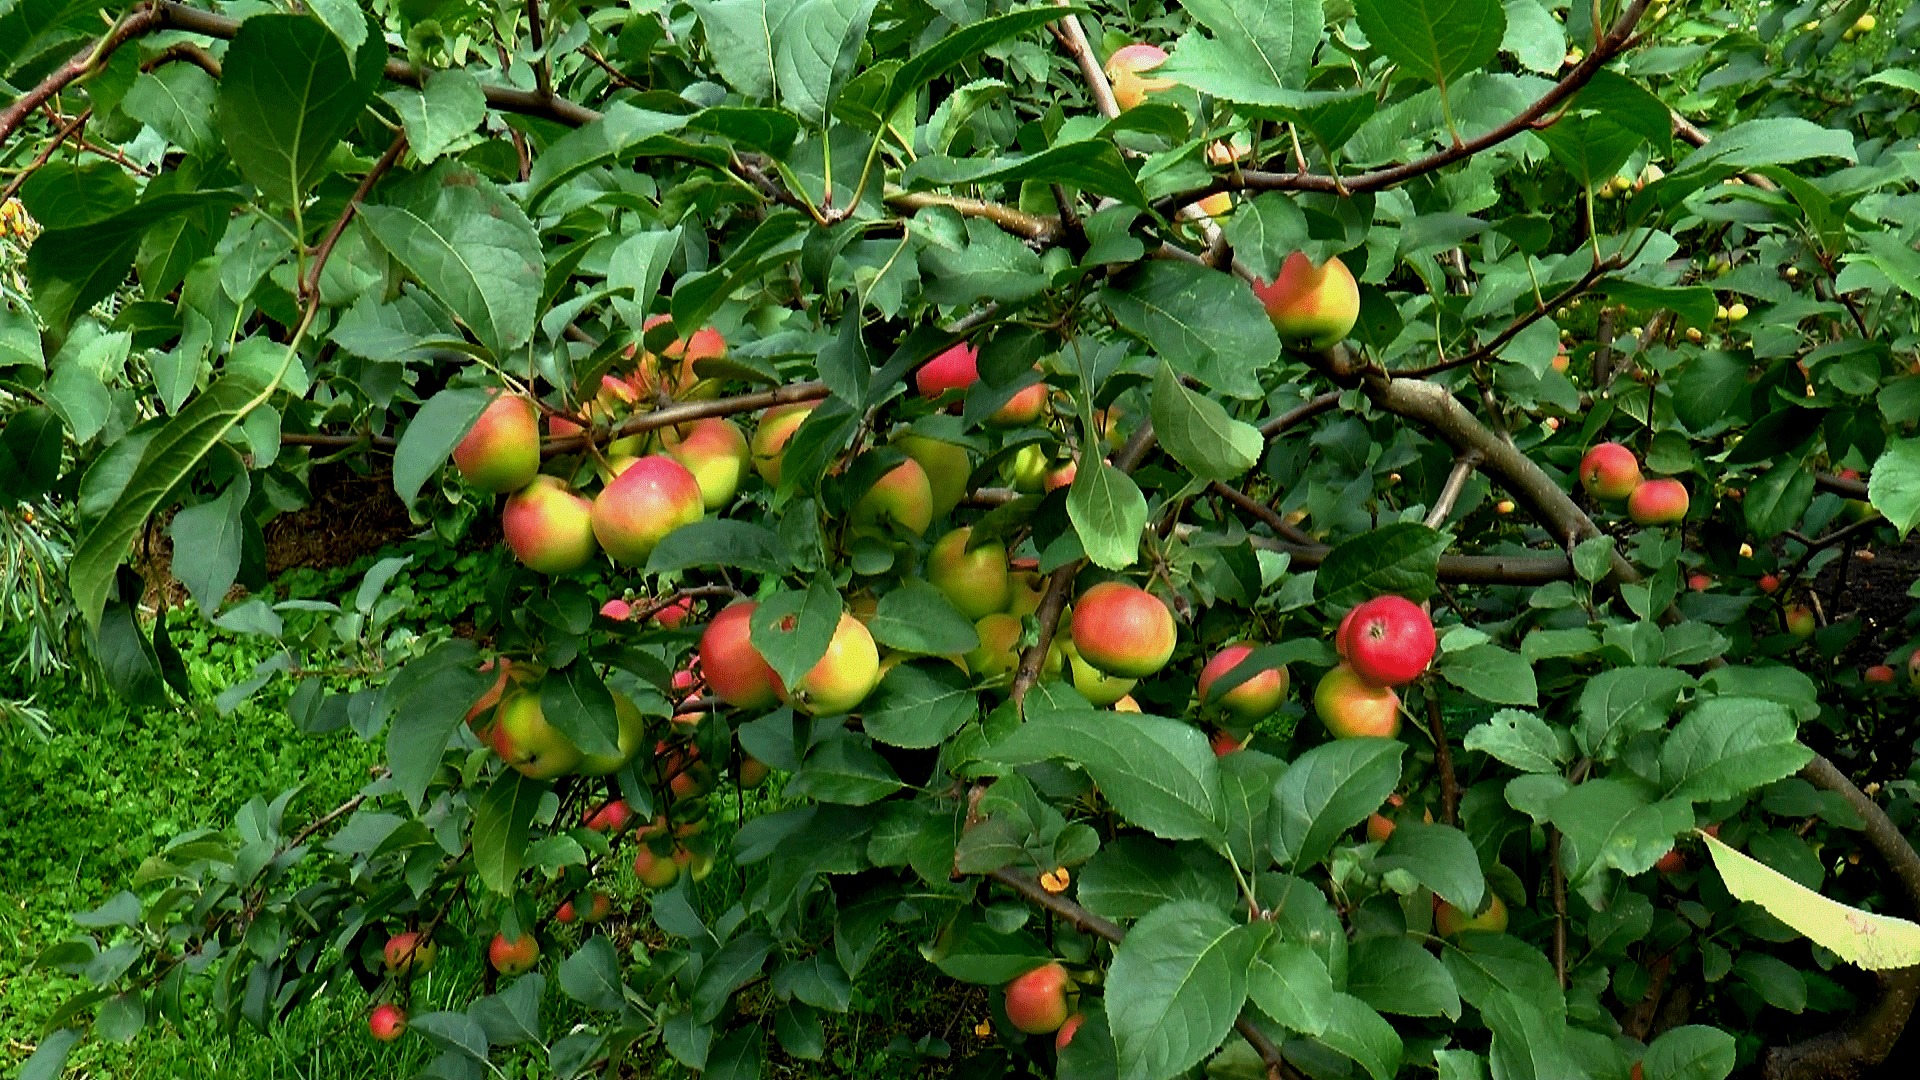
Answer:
(1559, 877)
(83, 63)
(613, 73)
(1696, 138)
(311, 286)
(1847, 532)
(1032, 226)
(1513, 329)
(1306, 410)
(1443, 757)
(688, 411)
(1053, 600)
(183, 52)
(1463, 467)
(1846, 489)
(1073, 36)
(542, 71)
(46, 152)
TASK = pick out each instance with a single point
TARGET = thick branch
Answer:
(1841, 486)
(693, 410)
(1074, 36)
(1032, 226)
(1450, 491)
(1052, 602)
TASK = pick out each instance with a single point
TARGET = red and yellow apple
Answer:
(1610, 471)
(1099, 688)
(671, 372)
(1123, 630)
(1037, 1002)
(1450, 921)
(1351, 707)
(715, 452)
(842, 678)
(1259, 695)
(523, 739)
(633, 735)
(513, 956)
(387, 1021)
(1126, 69)
(958, 368)
(501, 452)
(611, 817)
(409, 953)
(1023, 408)
(998, 654)
(654, 870)
(653, 497)
(1658, 502)
(735, 670)
(1311, 305)
(947, 467)
(549, 526)
(903, 497)
(771, 435)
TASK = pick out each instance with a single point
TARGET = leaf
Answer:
(1439, 857)
(1393, 974)
(1177, 983)
(72, 269)
(476, 253)
(1777, 499)
(206, 545)
(1608, 823)
(454, 1032)
(1520, 739)
(1092, 165)
(1246, 789)
(500, 822)
(720, 542)
(1289, 982)
(1490, 673)
(1729, 746)
(737, 1055)
(623, 131)
(579, 705)
(449, 105)
(287, 96)
(49, 1060)
(918, 618)
(844, 770)
(1438, 40)
(1622, 702)
(1269, 45)
(1328, 790)
(1133, 875)
(1534, 36)
(1159, 774)
(1197, 431)
(1690, 1052)
(431, 436)
(428, 699)
(1108, 512)
(1770, 141)
(1205, 323)
(1360, 1033)
(775, 240)
(1894, 485)
(792, 629)
(1402, 559)
(917, 706)
(729, 969)
(176, 100)
(963, 44)
(1868, 940)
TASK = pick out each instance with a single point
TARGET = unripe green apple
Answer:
(734, 669)
(633, 735)
(1351, 707)
(998, 654)
(1130, 87)
(513, 956)
(523, 739)
(549, 527)
(844, 676)
(653, 497)
(1037, 1001)
(1023, 408)
(655, 871)
(1099, 688)
(501, 452)
(1028, 469)
(904, 496)
(947, 467)
(771, 435)
(409, 953)
(1252, 699)
(715, 452)
(1658, 502)
(1450, 921)
(1312, 305)
(1610, 471)
(1800, 621)
(1123, 630)
(387, 1021)
(975, 579)
(1026, 585)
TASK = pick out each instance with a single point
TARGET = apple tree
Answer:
(1283, 538)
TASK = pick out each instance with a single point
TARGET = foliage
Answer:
(262, 238)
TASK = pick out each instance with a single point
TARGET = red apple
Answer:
(611, 817)
(491, 699)
(409, 953)
(597, 907)
(904, 496)
(501, 452)
(671, 373)
(549, 527)
(1312, 305)
(843, 677)
(1379, 828)
(1130, 86)
(653, 497)
(715, 452)
(1253, 698)
(1023, 408)
(675, 613)
(753, 772)
(1610, 471)
(632, 735)
(1123, 630)
(1451, 922)
(1658, 502)
(1065, 1034)
(523, 739)
(955, 369)
(1699, 582)
(1800, 621)
(387, 1021)
(1037, 1001)
(1769, 584)
(1880, 674)
(975, 579)
(735, 670)
(1061, 477)
(1223, 742)
(1389, 640)
(617, 610)
(1027, 584)
(655, 871)
(771, 435)
(1673, 862)
(1351, 707)
(1913, 668)
(515, 956)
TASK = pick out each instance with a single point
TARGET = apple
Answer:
(1800, 621)
(1880, 674)
(1610, 471)
(1379, 827)
(735, 670)
(654, 871)
(1769, 584)
(1560, 363)
(1026, 584)
(1699, 582)
(1098, 687)
(1388, 640)
(1123, 630)
(958, 368)
(549, 526)
(611, 817)
(1037, 1001)
(671, 373)
(843, 677)
(1351, 707)
(998, 655)
(975, 579)
(409, 953)
(1658, 502)
(715, 452)
(1217, 205)
(491, 699)
(617, 610)
(753, 772)
(1451, 921)
(1913, 668)
(633, 733)
(947, 467)
(771, 435)
(1130, 87)
(513, 956)
(1065, 1035)
(1023, 408)
(1315, 306)
(1254, 698)
(1673, 862)
(655, 496)
(1224, 742)
(523, 739)
(904, 496)
(387, 1021)
(1060, 477)
(501, 452)
(1126, 704)
(1027, 471)
(597, 906)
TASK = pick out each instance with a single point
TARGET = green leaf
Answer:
(1328, 790)
(990, 265)
(476, 252)
(918, 618)
(176, 100)
(1534, 36)
(1360, 1033)
(1393, 974)
(448, 106)
(720, 542)
(1490, 673)
(964, 44)
(1289, 982)
(1691, 1052)
(622, 133)
(803, 50)
(500, 822)
(1268, 44)
(1609, 823)
(1205, 323)
(427, 699)
(1771, 141)
(1777, 499)
(431, 436)
(19, 338)
(1402, 559)
(1133, 875)
(1777, 982)
(844, 770)
(1729, 746)
(1159, 774)
(1520, 739)
(1437, 40)
(737, 1055)
(1197, 431)
(69, 194)
(49, 1060)
(1092, 165)
(1246, 788)
(792, 629)
(1439, 857)
(1177, 983)
(31, 447)
(1618, 704)
(918, 706)
(577, 703)
(737, 962)
(1108, 512)
(775, 240)
(1874, 942)
(70, 270)
(1894, 485)
(287, 96)
(206, 545)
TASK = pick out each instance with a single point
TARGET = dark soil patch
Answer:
(351, 516)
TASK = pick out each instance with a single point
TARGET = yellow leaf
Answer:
(1874, 942)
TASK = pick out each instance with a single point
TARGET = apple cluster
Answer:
(1610, 472)
(1384, 643)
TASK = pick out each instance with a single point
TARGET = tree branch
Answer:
(690, 410)
(1442, 757)
(1306, 410)
(310, 288)
(1043, 230)
(1499, 341)
(1074, 36)
(46, 152)
(1450, 491)
(85, 62)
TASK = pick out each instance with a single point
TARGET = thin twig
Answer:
(1443, 757)
(1513, 329)
(1559, 878)
(1031, 226)
(1463, 467)
(89, 59)
(311, 287)
(46, 153)
(1306, 410)
(1074, 36)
